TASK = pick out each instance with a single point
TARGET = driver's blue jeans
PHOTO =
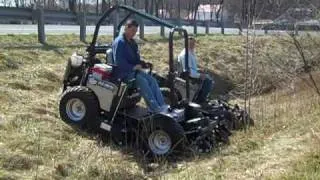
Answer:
(149, 90)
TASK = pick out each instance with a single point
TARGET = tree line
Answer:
(262, 9)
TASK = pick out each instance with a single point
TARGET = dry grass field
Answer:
(284, 144)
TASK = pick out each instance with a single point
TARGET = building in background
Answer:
(208, 12)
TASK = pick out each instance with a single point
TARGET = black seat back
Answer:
(109, 56)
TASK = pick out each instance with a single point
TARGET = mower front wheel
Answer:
(79, 108)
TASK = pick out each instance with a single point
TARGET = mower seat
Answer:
(131, 98)
(195, 83)
(182, 73)
(132, 94)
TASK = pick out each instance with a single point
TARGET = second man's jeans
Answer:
(206, 88)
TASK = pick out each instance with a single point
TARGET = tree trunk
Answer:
(97, 7)
(162, 9)
(221, 20)
(83, 5)
(133, 3)
(146, 6)
(168, 9)
(79, 6)
(104, 5)
(189, 8)
(151, 7)
(211, 11)
(218, 12)
(197, 3)
(16, 2)
(179, 13)
(73, 6)
(157, 7)
(51, 4)
(195, 10)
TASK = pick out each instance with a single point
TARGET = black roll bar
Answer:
(131, 11)
(121, 23)
(171, 64)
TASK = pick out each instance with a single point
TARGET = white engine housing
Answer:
(76, 60)
(104, 90)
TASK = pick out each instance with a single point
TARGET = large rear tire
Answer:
(79, 108)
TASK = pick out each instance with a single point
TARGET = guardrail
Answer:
(294, 27)
(50, 16)
(16, 13)
(42, 17)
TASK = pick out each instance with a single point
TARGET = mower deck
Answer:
(138, 112)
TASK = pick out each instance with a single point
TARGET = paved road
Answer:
(108, 30)
(74, 29)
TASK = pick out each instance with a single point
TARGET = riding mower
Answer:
(93, 100)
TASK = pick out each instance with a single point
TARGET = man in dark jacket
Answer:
(129, 65)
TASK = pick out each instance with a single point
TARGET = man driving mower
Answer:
(129, 66)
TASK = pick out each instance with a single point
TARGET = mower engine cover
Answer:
(103, 89)
(76, 60)
(73, 71)
(101, 71)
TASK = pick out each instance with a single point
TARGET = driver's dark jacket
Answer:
(125, 56)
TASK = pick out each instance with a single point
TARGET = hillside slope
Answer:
(35, 143)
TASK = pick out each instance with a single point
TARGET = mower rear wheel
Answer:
(79, 107)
